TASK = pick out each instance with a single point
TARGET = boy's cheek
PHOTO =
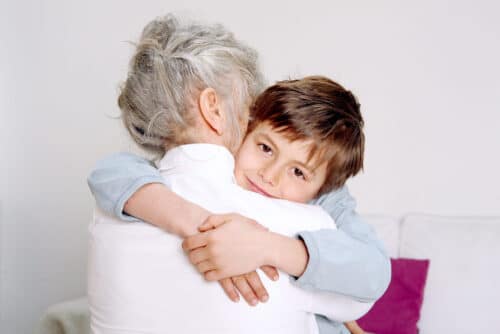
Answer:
(301, 193)
(246, 159)
(239, 178)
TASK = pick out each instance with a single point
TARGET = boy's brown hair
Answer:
(320, 109)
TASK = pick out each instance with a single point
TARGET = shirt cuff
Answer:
(142, 181)
(306, 280)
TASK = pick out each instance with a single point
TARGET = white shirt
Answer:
(140, 281)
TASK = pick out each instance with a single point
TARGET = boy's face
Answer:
(269, 164)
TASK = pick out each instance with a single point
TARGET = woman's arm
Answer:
(350, 260)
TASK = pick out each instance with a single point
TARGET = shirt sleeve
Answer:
(118, 176)
(350, 260)
(328, 326)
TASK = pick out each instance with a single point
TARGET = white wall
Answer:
(426, 73)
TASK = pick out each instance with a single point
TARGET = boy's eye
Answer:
(298, 173)
(266, 149)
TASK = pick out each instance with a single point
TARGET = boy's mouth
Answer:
(255, 188)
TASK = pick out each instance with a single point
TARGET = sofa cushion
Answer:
(462, 286)
(398, 310)
(387, 229)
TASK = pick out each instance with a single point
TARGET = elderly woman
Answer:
(176, 68)
(172, 97)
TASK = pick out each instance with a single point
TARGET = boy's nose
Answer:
(270, 174)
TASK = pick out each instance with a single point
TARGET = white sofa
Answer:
(463, 283)
(462, 287)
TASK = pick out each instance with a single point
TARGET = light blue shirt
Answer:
(350, 260)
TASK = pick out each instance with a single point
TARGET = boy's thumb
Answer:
(212, 222)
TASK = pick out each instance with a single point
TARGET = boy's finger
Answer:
(270, 272)
(195, 241)
(204, 266)
(213, 275)
(230, 290)
(208, 224)
(205, 227)
(245, 290)
(198, 255)
(255, 283)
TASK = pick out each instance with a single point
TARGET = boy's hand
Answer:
(249, 286)
(229, 245)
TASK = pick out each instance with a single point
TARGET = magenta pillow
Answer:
(398, 310)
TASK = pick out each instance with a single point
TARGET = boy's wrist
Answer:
(286, 253)
(271, 249)
(187, 224)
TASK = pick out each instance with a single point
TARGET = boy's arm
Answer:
(115, 178)
(127, 186)
(350, 260)
(231, 244)
(156, 204)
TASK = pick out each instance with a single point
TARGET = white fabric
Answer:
(140, 281)
(462, 290)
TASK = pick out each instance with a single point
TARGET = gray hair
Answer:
(173, 63)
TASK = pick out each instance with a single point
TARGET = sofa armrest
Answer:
(71, 317)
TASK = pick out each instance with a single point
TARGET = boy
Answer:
(304, 140)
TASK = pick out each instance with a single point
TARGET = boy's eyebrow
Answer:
(266, 137)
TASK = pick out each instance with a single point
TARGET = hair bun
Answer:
(144, 59)
(153, 43)
(160, 30)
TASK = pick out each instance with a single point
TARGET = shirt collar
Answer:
(207, 160)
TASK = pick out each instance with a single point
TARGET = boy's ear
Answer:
(211, 111)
